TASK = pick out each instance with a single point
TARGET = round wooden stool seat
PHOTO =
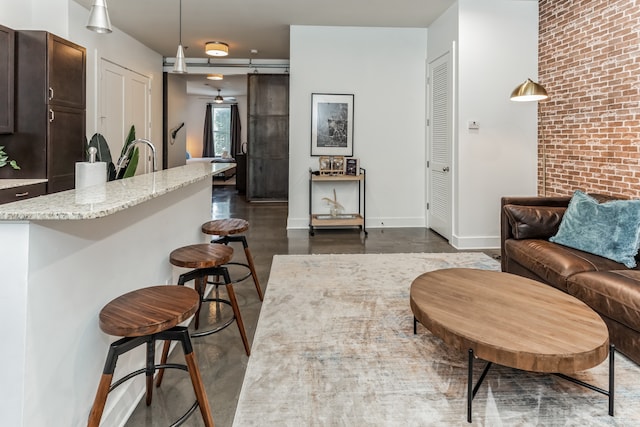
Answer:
(148, 311)
(203, 255)
(225, 227)
(143, 317)
(228, 230)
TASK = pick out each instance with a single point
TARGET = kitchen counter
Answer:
(63, 257)
(13, 183)
(114, 196)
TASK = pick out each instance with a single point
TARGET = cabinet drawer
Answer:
(23, 192)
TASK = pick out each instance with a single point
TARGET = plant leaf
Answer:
(104, 153)
(130, 170)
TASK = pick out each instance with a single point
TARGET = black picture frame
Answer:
(331, 124)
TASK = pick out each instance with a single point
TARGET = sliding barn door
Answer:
(268, 137)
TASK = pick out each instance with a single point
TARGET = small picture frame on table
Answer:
(331, 124)
(352, 166)
(331, 165)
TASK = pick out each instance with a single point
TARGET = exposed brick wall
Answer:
(589, 62)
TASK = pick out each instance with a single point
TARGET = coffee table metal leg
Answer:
(471, 390)
(415, 325)
(470, 386)
(611, 392)
(612, 352)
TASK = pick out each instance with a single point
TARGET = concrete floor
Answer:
(221, 356)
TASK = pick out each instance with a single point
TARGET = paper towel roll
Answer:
(89, 174)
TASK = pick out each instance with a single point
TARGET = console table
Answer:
(356, 219)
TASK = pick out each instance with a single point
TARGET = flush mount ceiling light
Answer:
(99, 18)
(218, 99)
(215, 76)
(216, 48)
(180, 66)
(529, 91)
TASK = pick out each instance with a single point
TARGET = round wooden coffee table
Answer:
(513, 321)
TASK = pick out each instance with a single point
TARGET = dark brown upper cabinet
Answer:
(49, 135)
(7, 70)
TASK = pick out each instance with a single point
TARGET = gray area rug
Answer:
(334, 346)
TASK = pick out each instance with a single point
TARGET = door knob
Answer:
(445, 169)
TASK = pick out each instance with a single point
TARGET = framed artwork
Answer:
(331, 124)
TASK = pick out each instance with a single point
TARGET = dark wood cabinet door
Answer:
(66, 69)
(7, 69)
(65, 147)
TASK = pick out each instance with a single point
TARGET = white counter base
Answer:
(57, 275)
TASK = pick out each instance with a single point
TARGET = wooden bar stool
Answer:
(207, 260)
(143, 317)
(228, 230)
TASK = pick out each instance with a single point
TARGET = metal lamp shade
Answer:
(180, 66)
(529, 91)
(99, 18)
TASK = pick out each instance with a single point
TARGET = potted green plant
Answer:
(4, 159)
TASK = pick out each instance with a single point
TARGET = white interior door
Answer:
(124, 96)
(440, 143)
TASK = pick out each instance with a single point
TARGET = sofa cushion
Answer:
(614, 294)
(533, 222)
(555, 263)
(610, 229)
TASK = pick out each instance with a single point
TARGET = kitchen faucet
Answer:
(124, 159)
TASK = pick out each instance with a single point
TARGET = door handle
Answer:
(52, 116)
(445, 169)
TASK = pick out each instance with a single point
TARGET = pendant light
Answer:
(180, 66)
(218, 99)
(99, 18)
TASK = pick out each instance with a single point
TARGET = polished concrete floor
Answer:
(221, 356)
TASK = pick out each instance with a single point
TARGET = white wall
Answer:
(50, 15)
(385, 70)
(176, 114)
(497, 51)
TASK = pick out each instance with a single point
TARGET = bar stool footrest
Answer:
(219, 328)
(234, 281)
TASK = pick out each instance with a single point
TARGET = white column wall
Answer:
(498, 45)
(385, 70)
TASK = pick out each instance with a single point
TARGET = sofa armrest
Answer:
(505, 226)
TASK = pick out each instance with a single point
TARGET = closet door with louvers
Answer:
(439, 200)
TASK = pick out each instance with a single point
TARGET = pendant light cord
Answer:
(180, 24)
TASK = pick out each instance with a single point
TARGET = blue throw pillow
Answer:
(611, 229)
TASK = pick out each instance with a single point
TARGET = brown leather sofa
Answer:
(608, 287)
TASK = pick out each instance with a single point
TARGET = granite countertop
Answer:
(13, 183)
(102, 200)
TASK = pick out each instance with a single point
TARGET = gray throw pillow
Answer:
(611, 229)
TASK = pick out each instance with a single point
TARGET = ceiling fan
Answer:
(219, 99)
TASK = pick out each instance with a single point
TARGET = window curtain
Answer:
(235, 131)
(208, 149)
